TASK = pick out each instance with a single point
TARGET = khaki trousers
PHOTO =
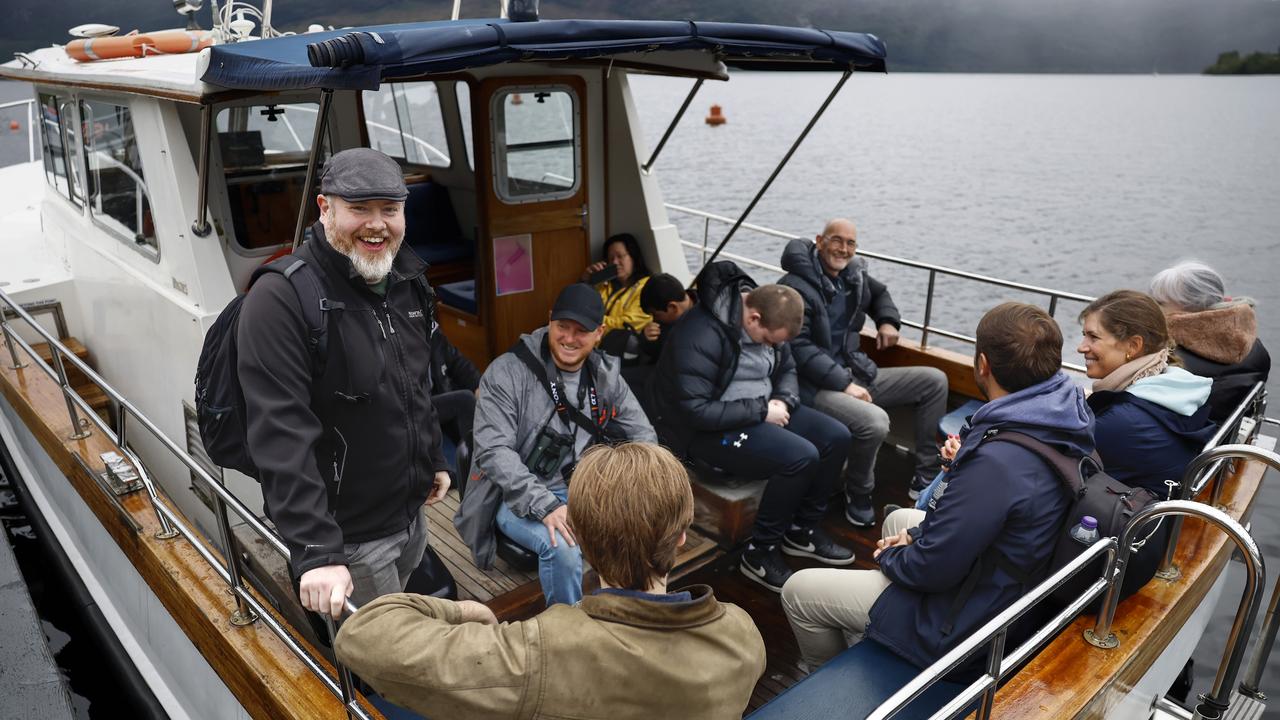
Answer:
(829, 608)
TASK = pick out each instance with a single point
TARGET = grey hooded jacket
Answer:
(512, 409)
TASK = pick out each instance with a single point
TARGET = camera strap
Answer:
(556, 391)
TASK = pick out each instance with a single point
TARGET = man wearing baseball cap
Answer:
(343, 430)
(541, 405)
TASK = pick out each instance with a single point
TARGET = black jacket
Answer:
(1231, 381)
(349, 456)
(699, 359)
(820, 365)
(450, 369)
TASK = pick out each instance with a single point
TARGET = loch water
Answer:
(1082, 183)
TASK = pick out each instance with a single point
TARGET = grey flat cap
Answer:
(363, 174)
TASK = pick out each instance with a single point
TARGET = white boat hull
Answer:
(182, 681)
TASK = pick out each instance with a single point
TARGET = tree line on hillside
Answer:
(1256, 63)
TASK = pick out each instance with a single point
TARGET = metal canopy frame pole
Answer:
(674, 121)
(201, 227)
(313, 162)
(785, 159)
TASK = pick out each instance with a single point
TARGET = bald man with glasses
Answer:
(839, 379)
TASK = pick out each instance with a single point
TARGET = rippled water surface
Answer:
(1078, 183)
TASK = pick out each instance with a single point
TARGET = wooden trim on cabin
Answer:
(1072, 679)
(265, 677)
(958, 367)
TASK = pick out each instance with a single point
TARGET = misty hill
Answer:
(1168, 36)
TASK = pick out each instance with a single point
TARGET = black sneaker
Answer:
(858, 510)
(919, 484)
(813, 543)
(766, 566)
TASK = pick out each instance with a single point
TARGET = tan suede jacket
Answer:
(611, 657)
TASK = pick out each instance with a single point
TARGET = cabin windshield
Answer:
(264, 150)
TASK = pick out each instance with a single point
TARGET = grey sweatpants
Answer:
(923, 388)
(383, 566)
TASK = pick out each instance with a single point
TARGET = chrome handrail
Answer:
(248, 608)
(1216, 702)
(925, 325)
(994, 633)
(1201, 470)
(31, 124)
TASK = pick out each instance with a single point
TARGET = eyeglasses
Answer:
(851, 243)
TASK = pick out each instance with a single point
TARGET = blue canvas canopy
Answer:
(361, 58)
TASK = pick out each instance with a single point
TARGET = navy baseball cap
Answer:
(580, 303)
(363, 174)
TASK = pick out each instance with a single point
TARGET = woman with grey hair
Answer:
(1216, 335)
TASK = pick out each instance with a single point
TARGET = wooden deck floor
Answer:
(512, 593)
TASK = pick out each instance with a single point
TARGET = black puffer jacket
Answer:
(450, 369)
(820, 365)
(349, 456)
(699, 359)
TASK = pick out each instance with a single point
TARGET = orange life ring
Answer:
(165, 42)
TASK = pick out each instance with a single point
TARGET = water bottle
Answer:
(1086, 532)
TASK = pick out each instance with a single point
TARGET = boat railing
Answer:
(924, 325)
(994, 634)
(31, 123)
(1240, 427)
(249, 608)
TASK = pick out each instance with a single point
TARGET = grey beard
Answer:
(371, 269)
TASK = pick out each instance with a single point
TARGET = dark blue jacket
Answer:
(699, 359)
(998, 496)
(1144, 441)
(819, 364)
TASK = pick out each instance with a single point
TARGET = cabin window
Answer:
(264, 151)
(536, 145)
(118, 195)
(61, 167)
(405, 121)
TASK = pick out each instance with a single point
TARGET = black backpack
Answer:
(220, 409)
(1112, 503)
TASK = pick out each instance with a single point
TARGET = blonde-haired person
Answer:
(1216, 335)
(1151, 414)
(630, 650)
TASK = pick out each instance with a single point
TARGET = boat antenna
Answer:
(785, 159)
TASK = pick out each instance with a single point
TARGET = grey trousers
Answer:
(923, 388)
(383, 566)
(829, 609)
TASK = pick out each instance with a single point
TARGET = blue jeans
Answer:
(559, 567)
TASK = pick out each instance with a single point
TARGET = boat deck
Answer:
(512, 593)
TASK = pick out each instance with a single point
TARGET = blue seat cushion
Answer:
(951, 423)
(431, 227)
(460, 295)
(852, 685)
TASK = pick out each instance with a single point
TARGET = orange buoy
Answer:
(15, 126)
(715, 118)
(165, 42)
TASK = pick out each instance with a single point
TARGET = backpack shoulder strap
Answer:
(1068, 470)
(312, 298)
(522, 351)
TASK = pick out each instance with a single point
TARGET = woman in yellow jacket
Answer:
(621, 295)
